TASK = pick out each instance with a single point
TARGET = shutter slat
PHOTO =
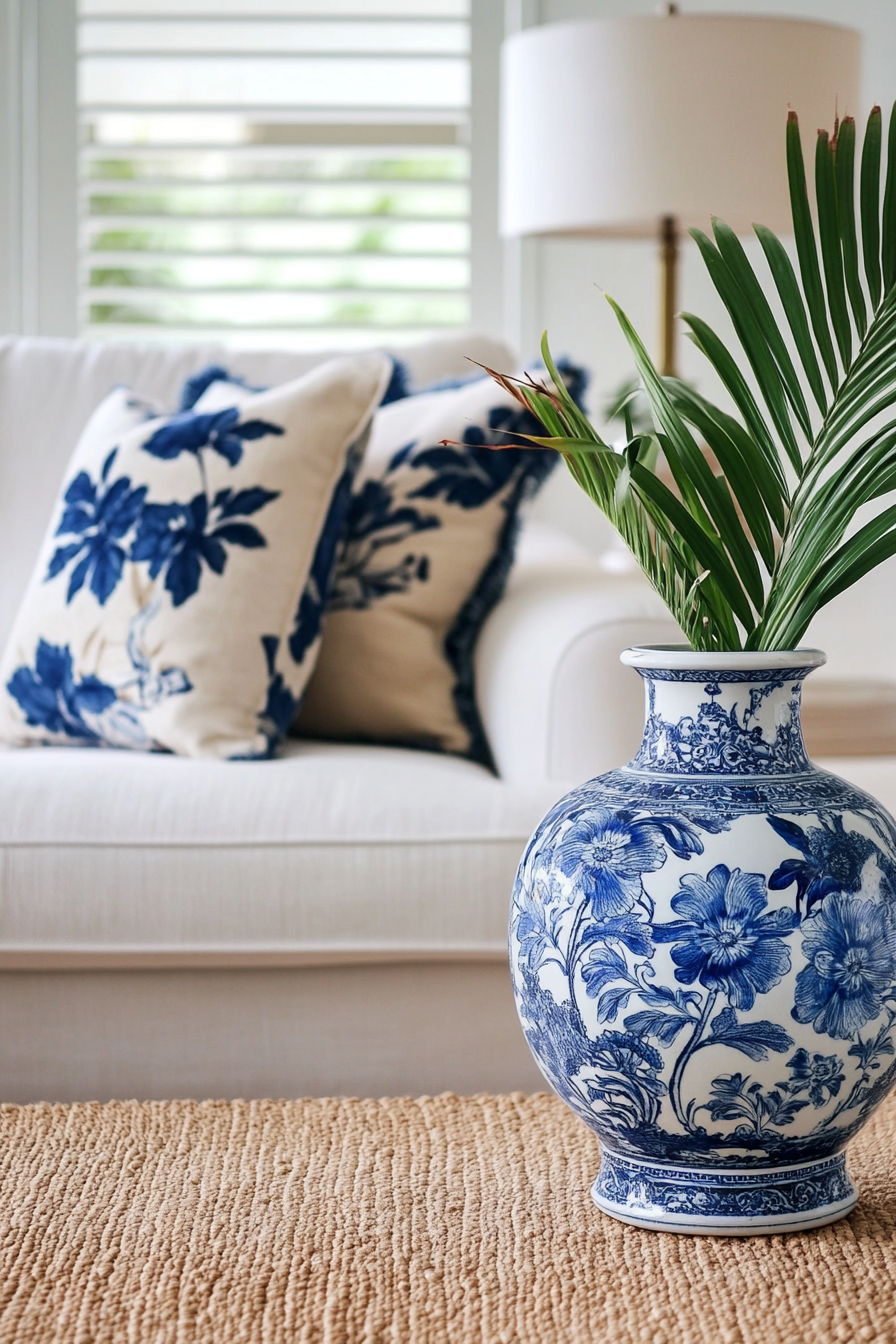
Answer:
(110, 257)
(365, 221)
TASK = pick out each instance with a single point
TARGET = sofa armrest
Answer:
(555, 700)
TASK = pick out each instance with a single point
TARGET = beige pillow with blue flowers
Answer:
(426, 546)
(425, 552)
(177, 600)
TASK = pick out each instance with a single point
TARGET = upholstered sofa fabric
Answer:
(177, 599)
(332, 853)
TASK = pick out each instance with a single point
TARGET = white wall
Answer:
(558, 285)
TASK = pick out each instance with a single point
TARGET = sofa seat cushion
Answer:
(329, 854)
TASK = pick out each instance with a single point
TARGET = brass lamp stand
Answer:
(669, 236)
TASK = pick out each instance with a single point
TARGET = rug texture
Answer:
(413, 1222)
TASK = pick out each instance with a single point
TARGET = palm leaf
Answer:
(788, 289)
(744, 556)
(831, 250)
(806, 248)
(769, 375)
(888, 233)
(870, 203)
(845, 156)
(726, 367)
(731, 249)
(759, 499)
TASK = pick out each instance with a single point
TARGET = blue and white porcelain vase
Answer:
(703, 947)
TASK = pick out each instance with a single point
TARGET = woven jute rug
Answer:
(441, 1219)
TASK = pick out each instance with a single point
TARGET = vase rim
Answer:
(681, 657)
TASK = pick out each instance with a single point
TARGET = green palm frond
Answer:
(745, 553)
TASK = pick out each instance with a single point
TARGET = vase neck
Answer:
(723, 722)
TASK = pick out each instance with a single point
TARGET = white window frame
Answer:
(486, 252)
(38, 168)
(39, 182)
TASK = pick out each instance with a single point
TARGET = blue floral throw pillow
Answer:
(425, 551)
(177, 600)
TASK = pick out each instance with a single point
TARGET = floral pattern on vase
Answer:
(703, 948)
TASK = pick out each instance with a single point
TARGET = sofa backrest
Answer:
(50, 387)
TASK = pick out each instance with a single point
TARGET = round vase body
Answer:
(703, 949)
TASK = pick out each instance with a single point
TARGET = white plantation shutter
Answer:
(290, 173)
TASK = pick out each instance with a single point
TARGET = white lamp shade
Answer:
(610, 124)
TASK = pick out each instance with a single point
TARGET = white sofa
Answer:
(332, 921)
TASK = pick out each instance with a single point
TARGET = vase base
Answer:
(724, 1202)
